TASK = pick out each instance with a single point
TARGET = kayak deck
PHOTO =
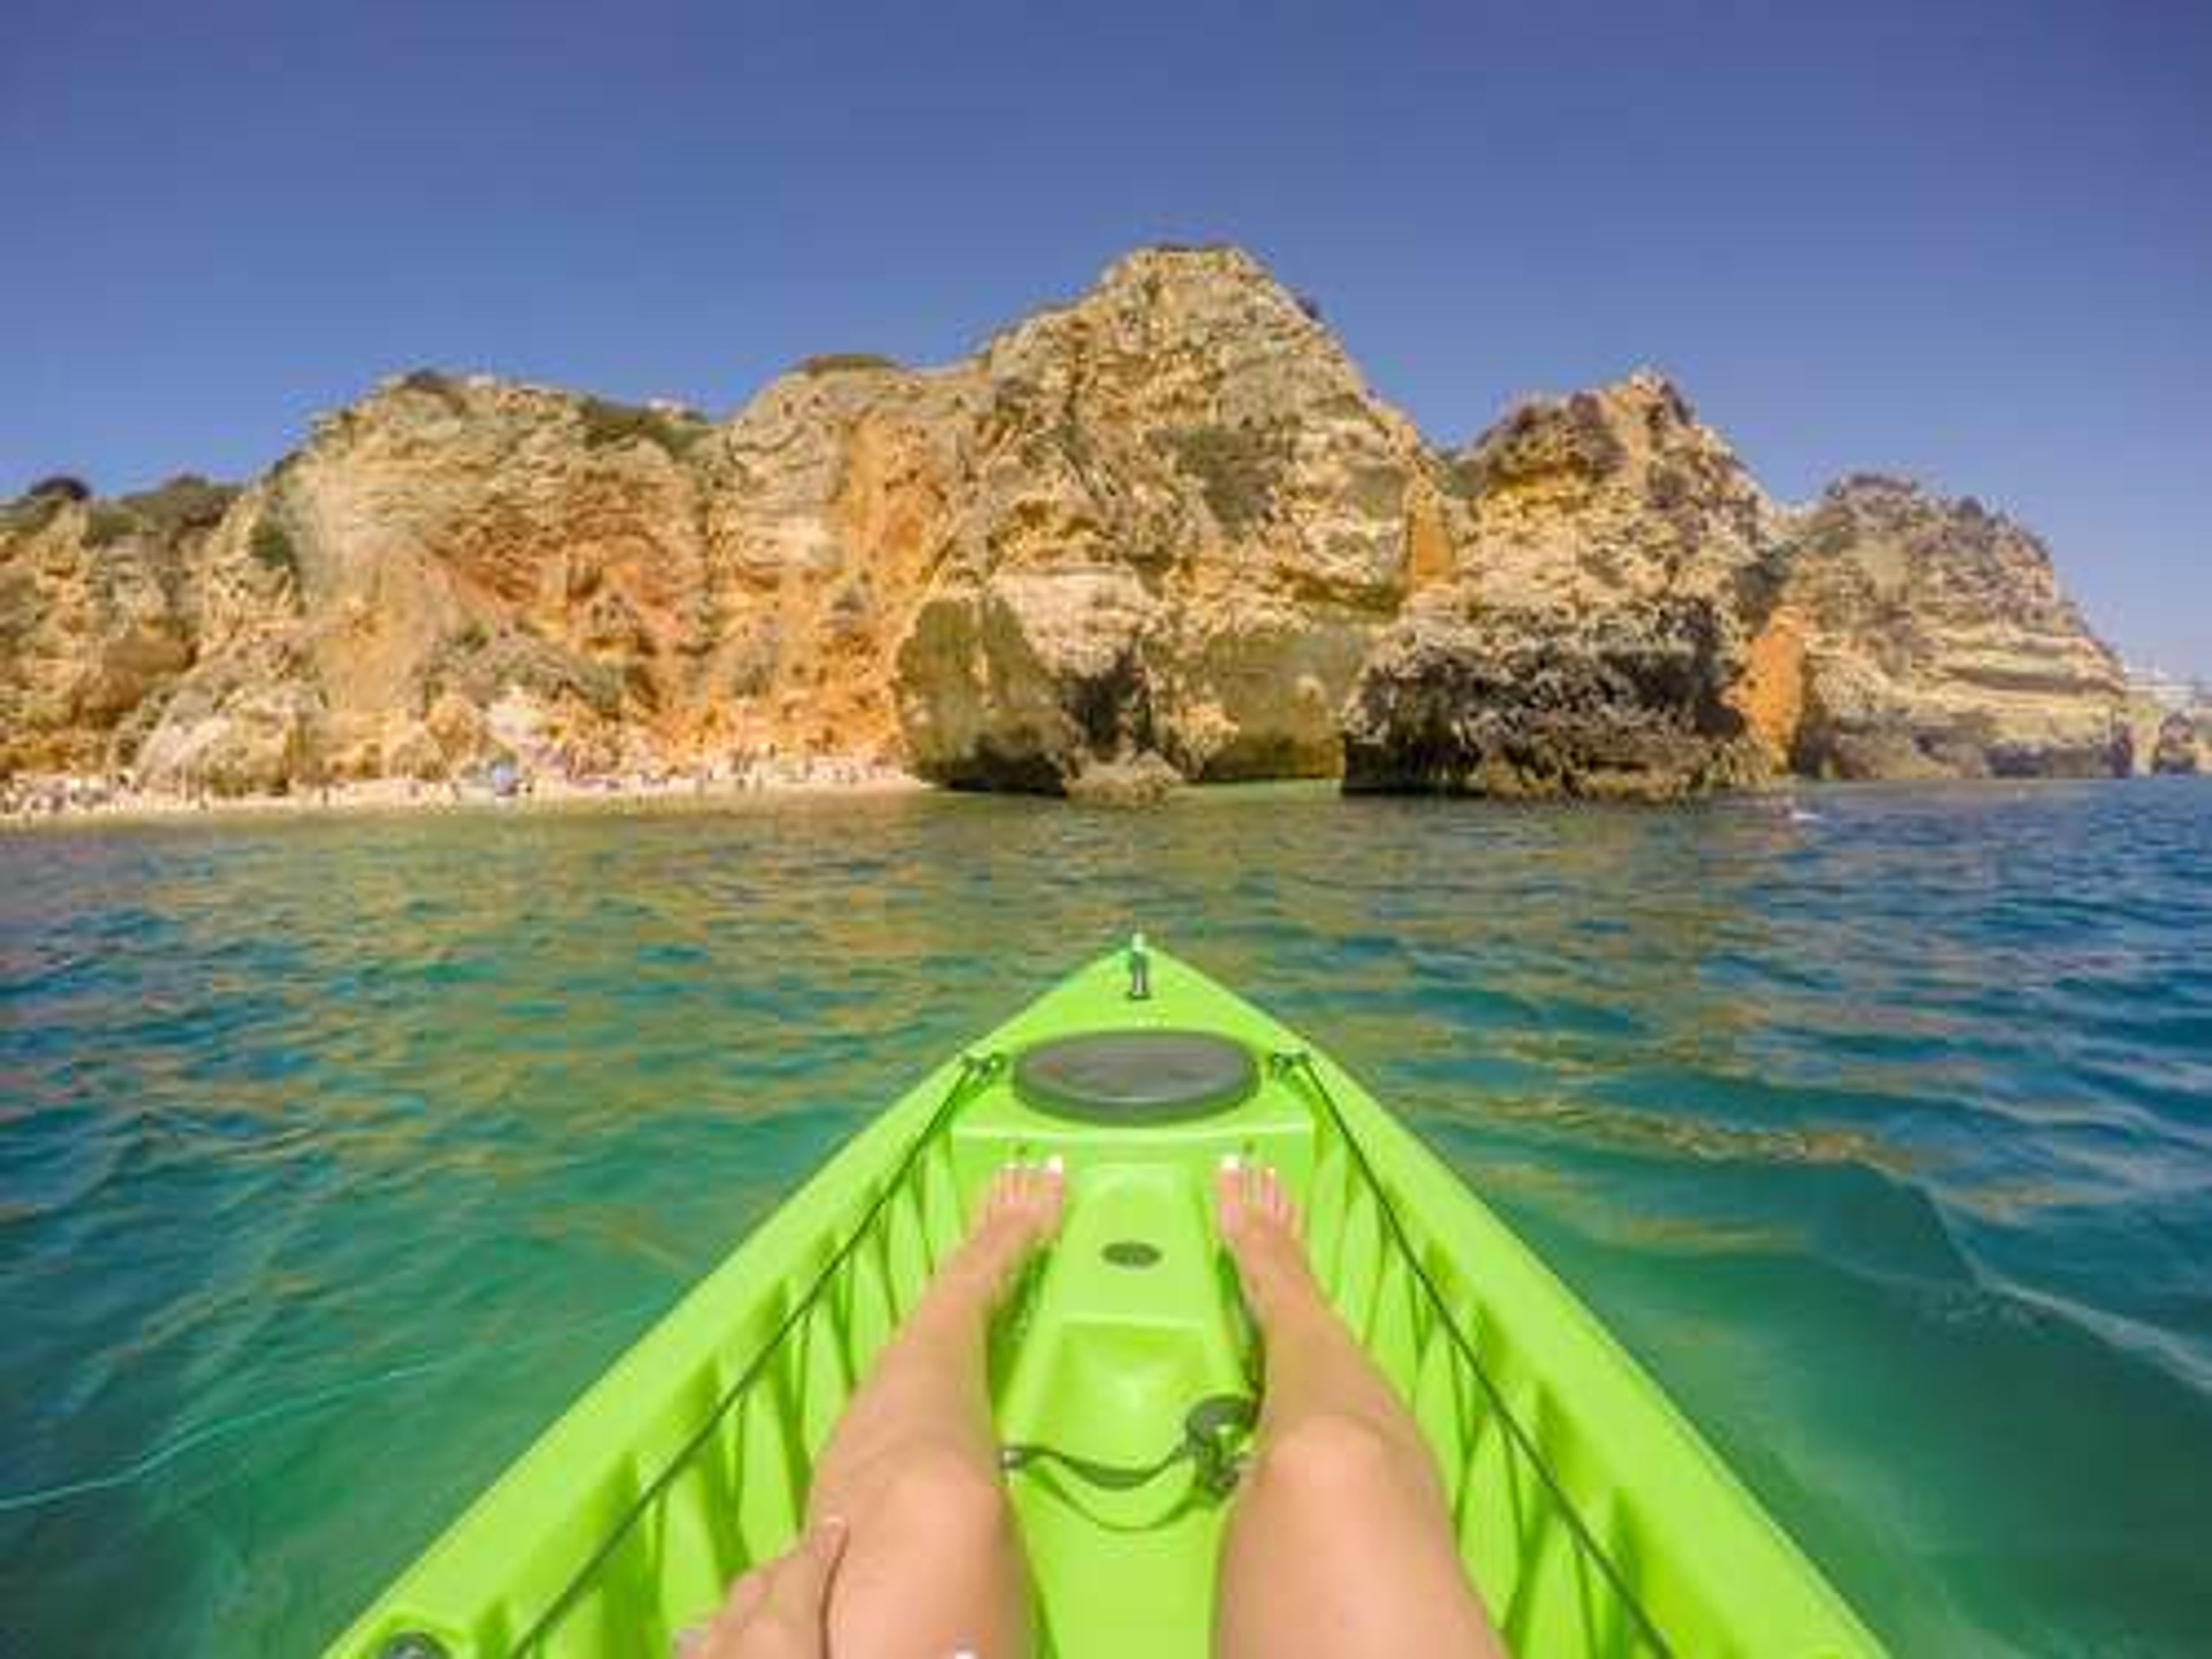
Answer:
(1593, 1517)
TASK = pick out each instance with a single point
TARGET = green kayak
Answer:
(1590, 1513)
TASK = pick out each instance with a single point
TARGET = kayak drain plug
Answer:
(1131, 1253)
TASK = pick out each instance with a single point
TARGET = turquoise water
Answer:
(335, 1156)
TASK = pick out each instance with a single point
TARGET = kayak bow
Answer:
(1594, 1517)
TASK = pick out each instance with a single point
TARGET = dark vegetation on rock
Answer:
(839, 363)
(186, 501)
(607, 423)
(272, 547)
(1237, 469)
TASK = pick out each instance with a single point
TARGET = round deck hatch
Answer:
(1135, 1077)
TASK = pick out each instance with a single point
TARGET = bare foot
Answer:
(1259, 1226)
(1018, 1215)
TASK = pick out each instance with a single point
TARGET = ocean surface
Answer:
(338, 1154)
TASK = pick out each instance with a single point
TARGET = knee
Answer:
(1332, 1458)
(937, 1491)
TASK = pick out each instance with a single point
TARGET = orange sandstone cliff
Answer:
(1167, 526)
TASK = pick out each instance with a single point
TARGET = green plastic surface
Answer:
(1595, 1519)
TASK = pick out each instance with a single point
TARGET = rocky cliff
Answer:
(1166, 528)
(1595, 629)
(1180, 521)
(99, 616)
(1929, 638)
(2169, 725)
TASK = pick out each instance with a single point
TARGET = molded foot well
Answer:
(1131, 1324)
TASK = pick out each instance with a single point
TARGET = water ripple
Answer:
(1887, 1139)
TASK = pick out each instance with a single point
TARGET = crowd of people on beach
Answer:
(33, 797)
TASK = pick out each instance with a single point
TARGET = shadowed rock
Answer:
(1518, 704)
(2179, 747)
(1143, 779)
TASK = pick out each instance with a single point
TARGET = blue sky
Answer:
(1970, 242)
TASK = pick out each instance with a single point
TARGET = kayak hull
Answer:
(1593, 1517)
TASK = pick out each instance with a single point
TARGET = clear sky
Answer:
(1971, 242)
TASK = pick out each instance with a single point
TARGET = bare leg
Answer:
(933, 1566)
(1340, 1544)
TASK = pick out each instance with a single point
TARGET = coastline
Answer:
(823, 779)
(69, 802)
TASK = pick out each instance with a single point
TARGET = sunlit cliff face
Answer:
(1166, 523)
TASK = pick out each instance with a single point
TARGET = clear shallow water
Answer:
(358, 1147)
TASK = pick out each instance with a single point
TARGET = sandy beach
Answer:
(54, 800)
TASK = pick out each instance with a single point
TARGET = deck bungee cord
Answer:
(1212, 1430)
(975, 1070)
(1298, 1063)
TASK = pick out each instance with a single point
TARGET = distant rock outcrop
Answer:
(1596, 623)
(1165, 530)
(1623, 705)
(2179, 749)
(1931, 639)
(2169, 723)
(99, 617)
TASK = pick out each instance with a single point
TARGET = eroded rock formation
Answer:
(1595, 627)
(2180, 747)
(99, 616)
(1180, 520)
(1931, 638)
(1163, 531)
